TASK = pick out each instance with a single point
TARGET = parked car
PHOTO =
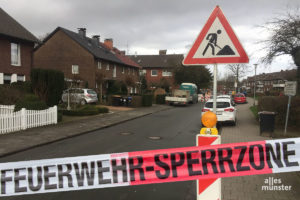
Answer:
(240, 98)
(80, 95)
(226, 112)
(226, 97)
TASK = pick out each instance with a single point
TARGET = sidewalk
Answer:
(250, 187)
(22, 140)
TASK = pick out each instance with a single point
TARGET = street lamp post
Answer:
(255, 66)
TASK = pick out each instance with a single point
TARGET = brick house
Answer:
(81, 57)
(269, 81)
(158, 68)
(16, 47)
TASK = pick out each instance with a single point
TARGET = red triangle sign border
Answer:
(243, 58)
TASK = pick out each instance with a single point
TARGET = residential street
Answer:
(177, 127)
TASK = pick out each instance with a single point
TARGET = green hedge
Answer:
(59, 116)
(48, 84)
(103, 110)
(30, 102)
(160, 99)
(10, 96)
(22, 86)
(86, 110)
(279, 105)
(147, 99)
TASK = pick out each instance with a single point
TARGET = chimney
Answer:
(96, 39)
(123, 52)
(82, 32)
(109, 43)
(162, 52)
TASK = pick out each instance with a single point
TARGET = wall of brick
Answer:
(5, 57)
(128, 71)
(156, 79)
(60, 53)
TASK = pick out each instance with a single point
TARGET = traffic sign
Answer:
(216, 43)
(290, 88)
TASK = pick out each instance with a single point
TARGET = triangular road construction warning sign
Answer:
(216, 43)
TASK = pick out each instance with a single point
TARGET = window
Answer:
(99, 65)
(7, 78)
(153, 72)
(115, 71)
(107, 66)
(15, 54)
(20, 78)
(123, 70)
(219, 105)
(75, 69)
(166, 73)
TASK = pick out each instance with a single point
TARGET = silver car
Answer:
(80, 95)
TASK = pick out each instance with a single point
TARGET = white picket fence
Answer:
(6, 109)
(15, 121)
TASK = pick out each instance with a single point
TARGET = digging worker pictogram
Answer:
(212, 42)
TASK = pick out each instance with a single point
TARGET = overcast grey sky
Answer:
(144, 27)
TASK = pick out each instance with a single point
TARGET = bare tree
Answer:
(284, 39)
(100, 78)
(238, 71)
(227, 81)
(41, 38)
(129, 81)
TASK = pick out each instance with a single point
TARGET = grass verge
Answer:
(254, 110)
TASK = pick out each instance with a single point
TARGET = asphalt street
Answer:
(176, 127)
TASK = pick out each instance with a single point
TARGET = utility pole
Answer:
(255, 66)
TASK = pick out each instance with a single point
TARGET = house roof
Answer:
(100, 51)
(158, 61)
(125, 59)
(281, 75)
(10, 27)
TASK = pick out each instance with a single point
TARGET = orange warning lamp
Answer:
(209, 119)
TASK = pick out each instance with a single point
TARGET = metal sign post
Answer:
(289, 90)
(287, 114)
(215, 88)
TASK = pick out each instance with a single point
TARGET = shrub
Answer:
(48, 84)
(10, 96)
(160, 99)
(82, 111)
(31, 97)
(273, 93)
(22, 86)
(147, 99)
(116, 87)
(279, 105)
(30, 102)
(103, 110)
(59, 116)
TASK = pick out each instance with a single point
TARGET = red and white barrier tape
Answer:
(145, 167)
